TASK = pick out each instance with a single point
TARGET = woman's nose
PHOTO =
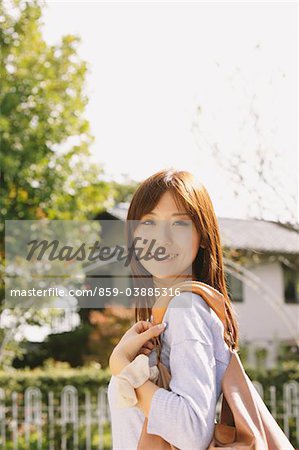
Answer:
(164, 236)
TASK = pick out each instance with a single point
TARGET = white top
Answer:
(194, 350)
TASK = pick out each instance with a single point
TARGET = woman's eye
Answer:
(182, 222)
(147, 222)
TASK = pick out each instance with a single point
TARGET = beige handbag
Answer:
(245, 421)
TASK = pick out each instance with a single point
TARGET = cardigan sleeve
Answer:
(185, 416)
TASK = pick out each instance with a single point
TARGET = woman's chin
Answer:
(166, 274)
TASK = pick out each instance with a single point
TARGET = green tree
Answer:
(45, 166)
(45, 138)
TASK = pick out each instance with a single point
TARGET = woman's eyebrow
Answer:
(174, 214)
(181, 214)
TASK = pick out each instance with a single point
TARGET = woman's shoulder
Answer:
(190, 317)
(190, 301)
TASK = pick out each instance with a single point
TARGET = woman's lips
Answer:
(170, 257)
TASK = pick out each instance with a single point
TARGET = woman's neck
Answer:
(166, 282)
(171, 281)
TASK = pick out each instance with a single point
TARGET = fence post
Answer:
(33, 414)
(102, 414)
(69, 415)
(14, 422)
(51, 420)
(87, 420)
(273, 404)
(291, 407)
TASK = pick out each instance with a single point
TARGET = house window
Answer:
(291, 284)
(235, 288)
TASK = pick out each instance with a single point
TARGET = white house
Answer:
(266, 298)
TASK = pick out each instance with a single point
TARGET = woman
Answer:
(176, 213)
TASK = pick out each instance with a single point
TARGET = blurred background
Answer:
(94, 98)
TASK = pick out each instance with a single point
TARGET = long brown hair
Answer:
(208, 264)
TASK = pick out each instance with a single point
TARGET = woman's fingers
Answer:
(142, 326)
(145, 351)
(148, 345)
(147, 348)
(135, 338)
(152, 332)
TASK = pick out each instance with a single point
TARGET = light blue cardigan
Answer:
(194, 350)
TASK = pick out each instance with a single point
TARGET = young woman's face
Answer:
(172, 229)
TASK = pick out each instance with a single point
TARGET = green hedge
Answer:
(55, 379)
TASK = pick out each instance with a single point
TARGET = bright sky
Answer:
(153, 64)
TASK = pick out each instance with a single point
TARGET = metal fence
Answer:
(71, 421)
(26, 421)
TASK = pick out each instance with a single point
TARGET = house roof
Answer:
(262, 235)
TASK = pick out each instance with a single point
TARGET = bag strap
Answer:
(211, 296)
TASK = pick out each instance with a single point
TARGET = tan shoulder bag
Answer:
(245, 421)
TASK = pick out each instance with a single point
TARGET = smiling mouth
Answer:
(169, 257)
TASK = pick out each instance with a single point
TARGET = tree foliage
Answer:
(45, 138)
(46, 170)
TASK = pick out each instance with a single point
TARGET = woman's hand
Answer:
(131, 343)
(147, 348)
